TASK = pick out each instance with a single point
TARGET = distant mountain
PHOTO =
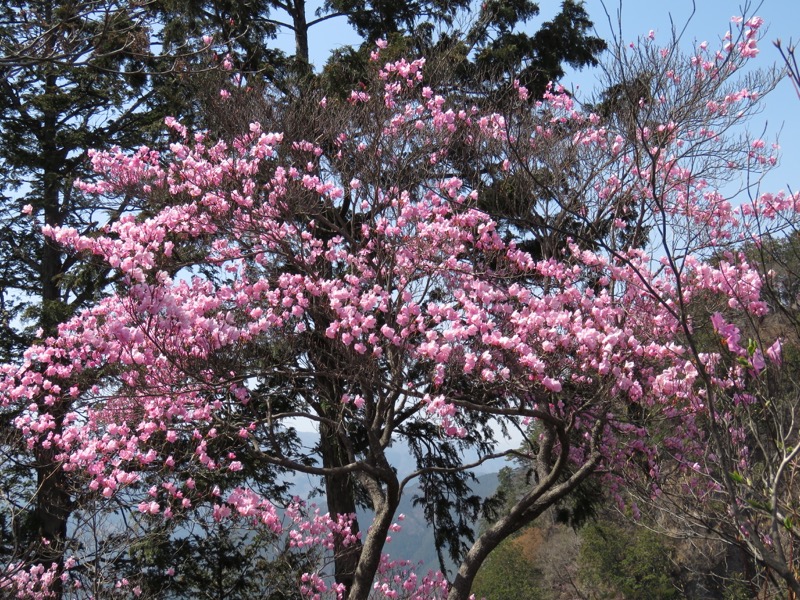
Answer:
(414, 541)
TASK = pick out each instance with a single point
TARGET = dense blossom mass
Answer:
(360, 279)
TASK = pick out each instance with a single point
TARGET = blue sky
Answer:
(702, 20)
(708, 20)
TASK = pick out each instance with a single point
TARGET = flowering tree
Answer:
(748, 493)
(349, 282)
(100, 73)
(740, 488)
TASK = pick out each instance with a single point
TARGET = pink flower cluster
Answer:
(418, 285)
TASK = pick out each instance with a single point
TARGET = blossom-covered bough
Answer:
(351, 282)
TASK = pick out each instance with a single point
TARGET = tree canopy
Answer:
(352, 281)
(403, 263)
(84, 75)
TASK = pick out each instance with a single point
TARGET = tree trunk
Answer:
(52, 502)
(546, 494)
(340, 493)
(384, 503)
(483, 546)
(370, 556)
(300, 25)
(52, 511)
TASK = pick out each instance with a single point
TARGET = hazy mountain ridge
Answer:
(415, 541)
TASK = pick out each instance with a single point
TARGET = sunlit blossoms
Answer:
(352, 282)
